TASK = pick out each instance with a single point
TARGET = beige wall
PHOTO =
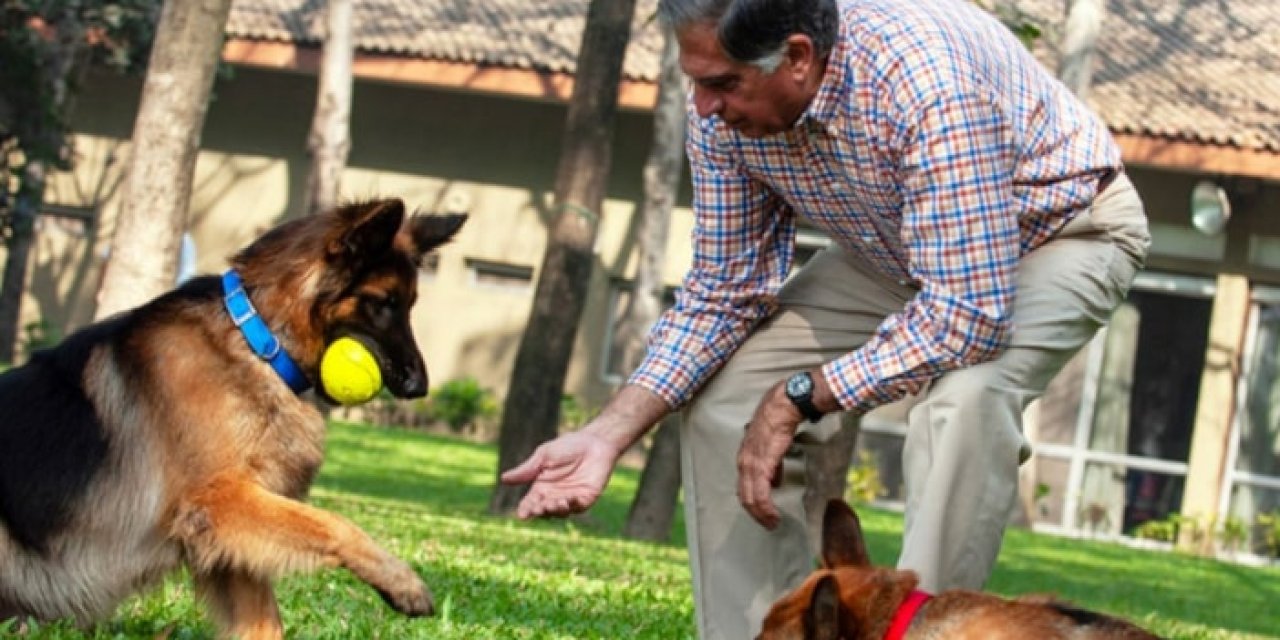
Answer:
(1249, 246)
(435, 149)
(494, 154)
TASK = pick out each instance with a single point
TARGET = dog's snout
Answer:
(415, 383)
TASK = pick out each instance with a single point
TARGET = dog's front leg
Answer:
(243, 604)
(237, 523)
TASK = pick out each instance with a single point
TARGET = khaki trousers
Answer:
(964, 437)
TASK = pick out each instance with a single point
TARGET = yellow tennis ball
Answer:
(349, 372)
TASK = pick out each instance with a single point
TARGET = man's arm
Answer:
(960, 231)
(743, 240)
(627, 416)
(741, 253)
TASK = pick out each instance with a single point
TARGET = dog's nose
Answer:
(415, 384)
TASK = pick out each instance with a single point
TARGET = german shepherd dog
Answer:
(158, 437)
(848, 599)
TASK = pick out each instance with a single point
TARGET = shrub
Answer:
(573, 414)
(864, 479)
(460, 403)
(1270, 523)
(1164, 530)
(38, 335)
(1234, 533)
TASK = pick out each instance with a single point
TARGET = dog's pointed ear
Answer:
(429, 232)
(822, 618)
(370, 228)
(842, 541)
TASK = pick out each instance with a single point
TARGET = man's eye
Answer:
(727, 85)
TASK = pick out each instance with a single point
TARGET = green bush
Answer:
(1233, 534)
(1271, 531)
(573, 414)
(38, 335)
(460, 403)
(1164, 530)
(864, 479)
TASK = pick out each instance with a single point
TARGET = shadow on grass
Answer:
(1138, 583)
(433, 475)
(459, 481)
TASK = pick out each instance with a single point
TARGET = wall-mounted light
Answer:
(1210, 208)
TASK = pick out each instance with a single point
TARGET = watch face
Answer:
(799, 385)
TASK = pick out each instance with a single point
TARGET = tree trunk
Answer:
(65, 61)
(655, 502)
(827, 473)
(26, 206)
(166, 140)
(531, 412)
(330, 138)
(654, 507)
(1079, 43)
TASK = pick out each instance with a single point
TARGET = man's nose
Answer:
(706, 102)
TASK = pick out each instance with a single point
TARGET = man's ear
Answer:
(822, 618)
(842, 541)
(800, 57)
(429, 232)
(370, 229)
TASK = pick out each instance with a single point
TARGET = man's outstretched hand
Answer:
(568, 475)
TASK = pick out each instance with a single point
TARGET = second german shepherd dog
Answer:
(159, 437)
(848, 599)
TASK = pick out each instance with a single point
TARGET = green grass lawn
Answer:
(424, 498)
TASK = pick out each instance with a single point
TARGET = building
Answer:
(1175, 409)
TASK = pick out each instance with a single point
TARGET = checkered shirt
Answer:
(937, 149)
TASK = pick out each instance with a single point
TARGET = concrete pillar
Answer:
(1206, 468)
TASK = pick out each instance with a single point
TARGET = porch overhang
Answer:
(1138, 150)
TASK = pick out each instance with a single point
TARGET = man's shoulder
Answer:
(908, 33)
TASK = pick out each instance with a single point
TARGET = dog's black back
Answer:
(52, 441)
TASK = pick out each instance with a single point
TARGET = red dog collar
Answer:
(906, 613)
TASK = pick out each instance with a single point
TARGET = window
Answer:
(1253, 477)
(502, 276)
(430, 267)
(1123, 460)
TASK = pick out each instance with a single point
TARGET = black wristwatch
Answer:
(800, 392)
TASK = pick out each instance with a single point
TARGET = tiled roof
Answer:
(1197, 70)
(524, 34)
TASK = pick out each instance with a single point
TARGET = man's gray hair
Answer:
(755, 31)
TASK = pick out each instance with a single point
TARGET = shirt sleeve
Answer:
(742, 249)
(960, 233)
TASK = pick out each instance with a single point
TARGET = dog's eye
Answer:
(381, 310)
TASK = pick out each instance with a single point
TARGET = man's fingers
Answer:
(525, 471)
(756, 480)
(758, 501)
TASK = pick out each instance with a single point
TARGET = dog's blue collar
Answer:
(258, 334)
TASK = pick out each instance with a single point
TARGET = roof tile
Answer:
(1197, 70)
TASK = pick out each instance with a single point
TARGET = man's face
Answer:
(750, 101)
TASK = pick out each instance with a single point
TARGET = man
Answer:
(983, 231)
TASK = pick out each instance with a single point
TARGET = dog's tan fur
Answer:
(209, 454)
(848, 599)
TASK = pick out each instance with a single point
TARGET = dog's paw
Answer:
(406, 592)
